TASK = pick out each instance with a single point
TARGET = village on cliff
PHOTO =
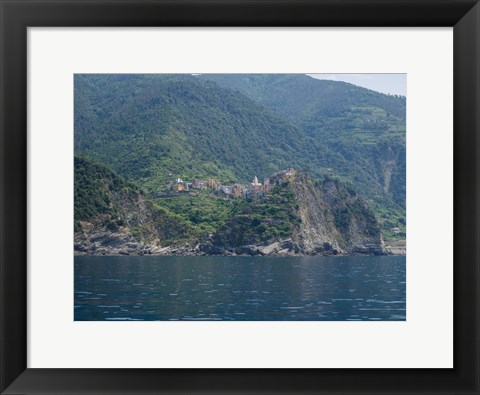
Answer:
(252, 190)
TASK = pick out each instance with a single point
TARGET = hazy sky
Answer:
(394, 84)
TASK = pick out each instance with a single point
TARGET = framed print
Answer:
(239, 197)
(244, 247)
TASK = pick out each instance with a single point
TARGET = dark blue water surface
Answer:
(312, 288)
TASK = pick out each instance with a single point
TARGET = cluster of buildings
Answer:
(255, 189)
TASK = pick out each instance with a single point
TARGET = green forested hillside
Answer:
(299, 96)
(364, 129)
(152, 128)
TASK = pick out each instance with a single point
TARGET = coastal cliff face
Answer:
(298, 216)
(132, 230)
(334, 220)
(325, 218)
(113, 217)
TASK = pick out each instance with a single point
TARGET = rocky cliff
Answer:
(333, 219)
(113, 217)
(324, 217)
(298, 216)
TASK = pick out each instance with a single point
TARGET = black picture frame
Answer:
(17, 15)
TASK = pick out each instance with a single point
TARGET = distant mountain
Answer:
(365, 129)
(298, 96)
(153, 128)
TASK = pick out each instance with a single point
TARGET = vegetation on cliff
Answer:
(95, 188)
(114, 216)
(260, 221)
(105, 203)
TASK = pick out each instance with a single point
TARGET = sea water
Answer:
(310, 288)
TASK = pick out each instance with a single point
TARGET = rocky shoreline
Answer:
(118, 244)
(397, 247)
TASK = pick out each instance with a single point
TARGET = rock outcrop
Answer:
(113, 217)
(299, 217)
(334, 220)
(329, 220)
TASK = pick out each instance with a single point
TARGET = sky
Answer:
(393, 84)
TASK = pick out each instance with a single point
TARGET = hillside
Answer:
(365, 130)
(294, 215)
(152, 128)
(299, 96)
(114, 217)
